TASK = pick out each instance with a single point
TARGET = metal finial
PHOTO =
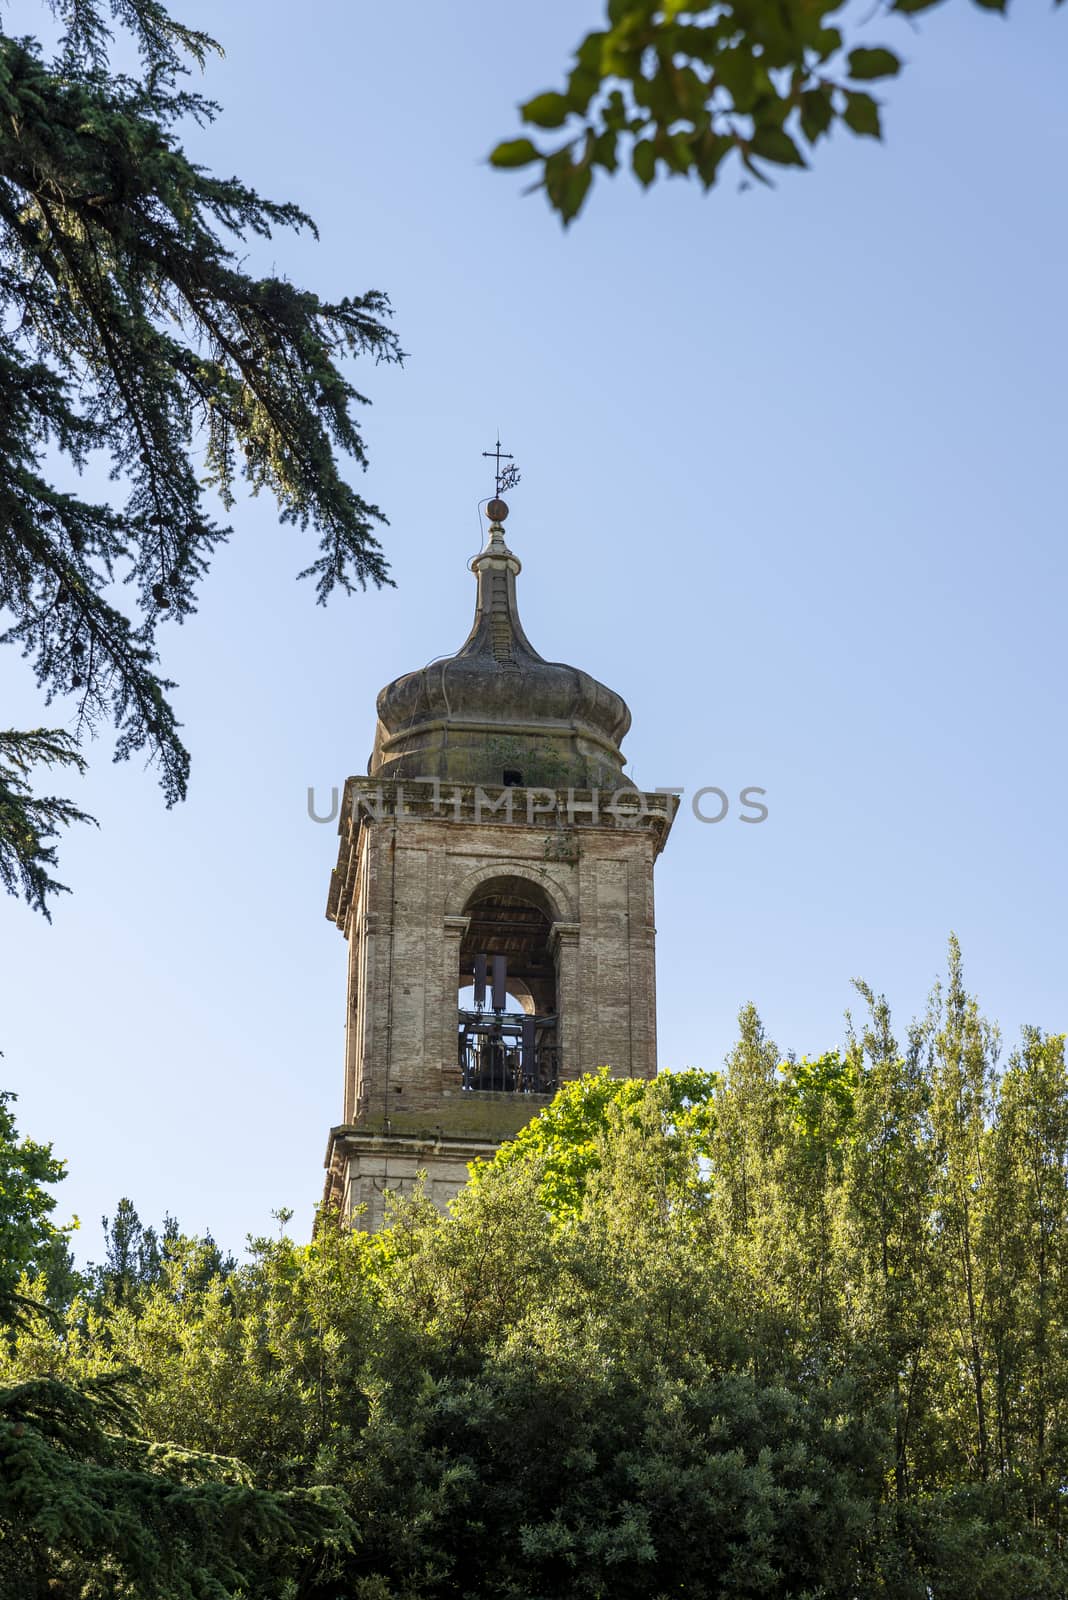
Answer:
(506, 477)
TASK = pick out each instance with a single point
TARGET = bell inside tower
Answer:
(507, 1034)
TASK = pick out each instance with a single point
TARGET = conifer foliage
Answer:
(92, 1508)
(131, 333)
(88, 1509)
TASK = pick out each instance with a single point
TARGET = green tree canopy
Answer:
(132, 333)
(564, 1143)
(796, 1328)
(27, 1233)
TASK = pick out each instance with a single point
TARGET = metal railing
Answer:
(508, 1053)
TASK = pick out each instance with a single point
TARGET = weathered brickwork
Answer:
(401, 894)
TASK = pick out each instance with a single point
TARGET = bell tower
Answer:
(495, 885)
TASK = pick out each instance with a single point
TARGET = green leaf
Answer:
(574, 192)
(866, 64)
(643, 161)
(774, 144)
(513, 153)
(675, 150)
(548, 110)
(558, 169)
(604, 151)
(709, 152)
(827, 41)
(907, 7)
(817, 113)
(862, 114)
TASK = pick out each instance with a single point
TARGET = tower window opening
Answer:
(507, 1024)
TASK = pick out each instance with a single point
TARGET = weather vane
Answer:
(507, 477)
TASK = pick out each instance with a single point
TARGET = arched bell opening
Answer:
(507, 1016)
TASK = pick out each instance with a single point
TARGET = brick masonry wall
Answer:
(400, 894)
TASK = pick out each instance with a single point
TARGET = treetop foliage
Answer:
(26, 1229)
(564, 1143)
(679, 87)
(792, 1329)
(130, 331)
(92, 1508)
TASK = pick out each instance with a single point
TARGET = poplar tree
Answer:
(885, 1240)
(962, 1049)
(1024, 1243)
(131, 333)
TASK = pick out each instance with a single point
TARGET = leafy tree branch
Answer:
(681, 88)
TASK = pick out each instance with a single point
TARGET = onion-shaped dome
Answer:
(496, 712)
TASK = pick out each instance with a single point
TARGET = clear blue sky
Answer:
(793, 483)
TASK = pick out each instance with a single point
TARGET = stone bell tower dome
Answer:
(495, 885)
(497, 705)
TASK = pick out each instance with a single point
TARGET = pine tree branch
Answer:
(28, 821)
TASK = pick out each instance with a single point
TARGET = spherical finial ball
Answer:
(497, 510)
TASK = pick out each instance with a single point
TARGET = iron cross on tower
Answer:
(507, 477)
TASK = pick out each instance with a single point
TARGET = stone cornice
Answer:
(371, 802)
